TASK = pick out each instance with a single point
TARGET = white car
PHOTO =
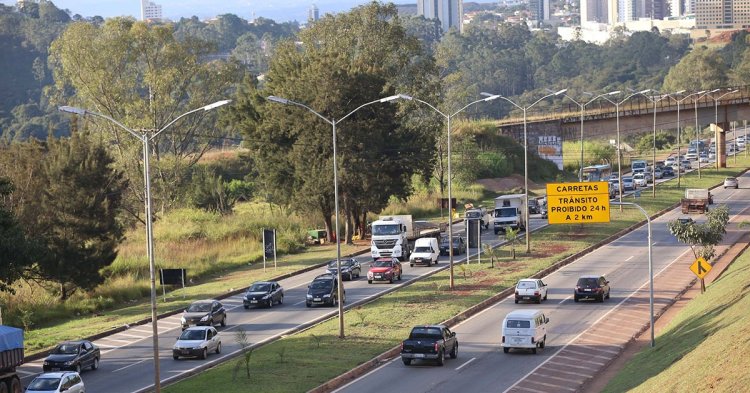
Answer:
(197, 341)
(658, 173)
(670, 161)
(640, 180)
(64, 381)
(532, 289)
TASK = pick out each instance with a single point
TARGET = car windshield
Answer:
(423, 249)
(516, 324)
(344, 263)
(382, 264)
(193, 335)
(199, 307)
(588, 282)
(526, 285)
(66, 349)
(425, 332)
(730, 179)
(259, 287)
(386, 230)
(44, 383)
(506, 212)
(474, 214)
(321, 284)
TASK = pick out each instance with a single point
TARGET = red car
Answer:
(384, 269)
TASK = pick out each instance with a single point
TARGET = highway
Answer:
(482, 366)
(127, 357)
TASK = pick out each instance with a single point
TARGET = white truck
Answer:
(479, 213)
(509, 212)
(391, 235)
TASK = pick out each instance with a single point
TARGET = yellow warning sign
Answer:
(700, 267)
(577, 203)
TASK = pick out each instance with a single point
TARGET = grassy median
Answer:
(704, 348)
(305, 360)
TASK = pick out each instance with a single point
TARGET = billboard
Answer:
(549, 147)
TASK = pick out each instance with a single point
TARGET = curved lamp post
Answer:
(333, 123)
(716, 118)
(450, 196)
(617, 115)
(525, 155)
(146, 137)
(581, 105)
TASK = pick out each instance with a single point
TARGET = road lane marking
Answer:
(630, 257)
(122, 341)
(129, 365)
(564, 300)
(467, 362)
(552, 356)
(127, 335)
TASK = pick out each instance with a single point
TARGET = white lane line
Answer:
(298, 303)
(593, 324)
(564, 300)
(129, 365)
(127, 335)
(122, 341)
(467, 362)
(630, 257)
(23, 372)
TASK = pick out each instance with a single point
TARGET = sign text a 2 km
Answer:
(577, 203)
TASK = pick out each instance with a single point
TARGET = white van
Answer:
(524, 329)
(426, 252)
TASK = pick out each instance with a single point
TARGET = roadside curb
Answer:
(371, 364)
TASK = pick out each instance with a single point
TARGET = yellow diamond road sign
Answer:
(700, 267)
(576, 203)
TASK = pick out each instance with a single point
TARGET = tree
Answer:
(347, 60)
(142, 76)
(511, 236)
(78, 222)
(14, 253)
(702, 237)
(701, 69)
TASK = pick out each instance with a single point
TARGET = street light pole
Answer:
(583, 111)
(527, 230)
(695, 104)
(146, 139)
(333, 123)
(450, 184)
(654, 101)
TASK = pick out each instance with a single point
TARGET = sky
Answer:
(278, 10)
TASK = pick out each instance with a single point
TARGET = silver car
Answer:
(197, 342)
(731, 182)
(65, 381)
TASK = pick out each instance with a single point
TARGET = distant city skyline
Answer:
(278, 10)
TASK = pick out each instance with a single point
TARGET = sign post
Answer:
(578, 203)
(700, 268)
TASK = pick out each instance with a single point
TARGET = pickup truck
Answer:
(429, 342)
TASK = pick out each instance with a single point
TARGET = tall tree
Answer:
(14, 253)
(142, 76)
(346, 60)
(78, 224)
(701, 69)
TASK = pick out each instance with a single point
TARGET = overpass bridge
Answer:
(636, 116)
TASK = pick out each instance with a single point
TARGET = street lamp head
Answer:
(278, 100)
(644, 91)
(216, 105)
(396, 97)
(491, 97)
(557, 93)
(613, 93)
(72, 109)
(587, 93)
(679, 92)
(484, 93)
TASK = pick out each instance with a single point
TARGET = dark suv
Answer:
(324, 290)
(204, 313)
(591, 287)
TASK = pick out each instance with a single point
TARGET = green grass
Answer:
(704, 348)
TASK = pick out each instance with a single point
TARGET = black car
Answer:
(459, 246)
(591, 287)
(204, 313)
(534, 207)
(350, 268)
(73, 356)
(263, 293)
(667, 171)
(324, 290)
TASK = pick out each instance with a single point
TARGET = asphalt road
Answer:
(482, 366)
(127, 357)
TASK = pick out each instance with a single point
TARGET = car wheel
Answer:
(516, 300)
(390, 280)
(351, 276)
(411, 265)
(441, 358)
(545, 296)
(607, 294)
(78, 368)
(246, 306)
(218, 348)
(308, 304)
(204, 354)
(538, 300)
(95, 364)
(533, 350)
(399, 276)
(224, 321)
(506, 349)
(454, 351)
(369, 281)
(270, 302)
(281, 299)
(407, 362)
(601, 298)
(175, 357)
(435, 261)
(575, 298)
(543, 343)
